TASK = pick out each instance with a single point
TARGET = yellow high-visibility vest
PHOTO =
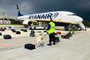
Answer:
(52, 28)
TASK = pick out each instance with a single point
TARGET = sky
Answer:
(79, 7)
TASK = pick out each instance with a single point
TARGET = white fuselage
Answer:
(57, 16)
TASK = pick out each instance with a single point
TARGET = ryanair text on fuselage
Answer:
(43, 16)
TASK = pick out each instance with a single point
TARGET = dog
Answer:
(39, 40)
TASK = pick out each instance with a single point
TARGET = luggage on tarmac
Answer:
(7, 36)
(0, 34)
(67, 36)
(13, 30)
(58, 33)
(32, 34)
(18, 32)
(1, 29)
(30, 46)
(24, 30)
(57, 39)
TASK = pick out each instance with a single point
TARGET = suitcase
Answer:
(7, 37)
(30, 46)
(0, 34)
(67, 36)
(2, 29)
(24, 30)
(13, 30)
(32, 34)
(18, 32)
(57, 39)
(64, 36)
(58, 33)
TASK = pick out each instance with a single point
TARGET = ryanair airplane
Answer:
(57, 16)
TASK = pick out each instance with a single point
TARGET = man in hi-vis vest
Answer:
(51, 32)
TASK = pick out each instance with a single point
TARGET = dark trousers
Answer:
(52, 38)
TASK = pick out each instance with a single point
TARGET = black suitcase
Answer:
(0, 34)
(24, 30)
(65, 37)
(30, 46)
(18, 32)
(57, 39)
(13, 30)
(7, 37)
(32, 34)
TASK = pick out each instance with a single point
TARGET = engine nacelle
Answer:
(27, 22)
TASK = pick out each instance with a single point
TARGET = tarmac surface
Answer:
(75, 48)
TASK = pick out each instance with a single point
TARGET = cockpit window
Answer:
(71, 14)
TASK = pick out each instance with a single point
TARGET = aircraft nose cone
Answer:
(80, 19)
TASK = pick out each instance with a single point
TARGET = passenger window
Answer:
(71, 14)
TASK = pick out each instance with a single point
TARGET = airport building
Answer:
(6, 19)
